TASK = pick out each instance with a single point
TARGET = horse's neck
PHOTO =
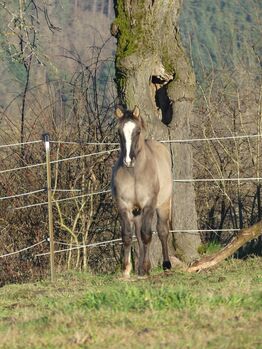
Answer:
(142, 158)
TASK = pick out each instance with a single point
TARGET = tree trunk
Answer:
(153, 73)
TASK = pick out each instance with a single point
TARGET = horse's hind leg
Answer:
(163, 231)
(126, 231)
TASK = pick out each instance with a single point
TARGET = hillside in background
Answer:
(223, 41)
(221, 34)
(68, 33)
(218, 34)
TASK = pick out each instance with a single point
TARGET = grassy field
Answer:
(217, 309)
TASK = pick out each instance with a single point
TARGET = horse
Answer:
(141, 185)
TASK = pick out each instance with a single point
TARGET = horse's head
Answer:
(129, 128)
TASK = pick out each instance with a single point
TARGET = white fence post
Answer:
(50, 211)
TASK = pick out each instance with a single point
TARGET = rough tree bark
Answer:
(153, 73)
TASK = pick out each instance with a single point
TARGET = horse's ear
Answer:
(119, 113)
(136, 112)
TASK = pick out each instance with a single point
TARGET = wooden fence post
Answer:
(50, 211)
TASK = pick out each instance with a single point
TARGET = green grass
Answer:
(217, 309)
(209, 248)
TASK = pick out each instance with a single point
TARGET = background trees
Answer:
(224, 43)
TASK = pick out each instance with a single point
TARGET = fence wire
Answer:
(64, 199)
(109, 151)
(18, 144)
(95, 244)
(22, 194)
(23, 249)
(237, 179)
(119, 240)
(234, 137)
(189, 180)
(191, 140)
(211, 139)
(109, 242)
(206, 139)
(84, 143)
(194, 180)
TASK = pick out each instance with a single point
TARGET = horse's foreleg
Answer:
(146, 235)
(126, 231)
(138, 225)
(163, 231)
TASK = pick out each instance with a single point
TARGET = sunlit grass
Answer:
(217, 309)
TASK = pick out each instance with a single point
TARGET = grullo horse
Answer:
(141, 185)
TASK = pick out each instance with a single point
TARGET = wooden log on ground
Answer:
(245, 235)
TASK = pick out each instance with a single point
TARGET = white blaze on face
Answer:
(128, 130)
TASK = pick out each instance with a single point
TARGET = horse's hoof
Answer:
(166, 265)
(125, 277)
(142, 277)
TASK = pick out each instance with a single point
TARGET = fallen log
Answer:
(245, 235)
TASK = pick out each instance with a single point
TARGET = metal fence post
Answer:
(46, 140)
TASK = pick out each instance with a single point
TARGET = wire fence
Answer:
(19, 144)
(190, 140)
(237, 179)
(58, 161)
(22, 194)
(106, 190)
(64, 199)
(103, 243)
(182, 180)
(23, 249)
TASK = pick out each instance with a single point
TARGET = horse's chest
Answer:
(139, 191)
